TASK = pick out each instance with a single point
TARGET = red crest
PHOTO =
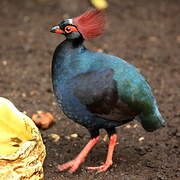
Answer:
(90, 24)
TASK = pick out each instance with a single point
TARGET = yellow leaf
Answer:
(99, 4)
(22, 151)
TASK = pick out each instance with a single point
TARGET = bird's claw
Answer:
(71, 165)
(101, 168)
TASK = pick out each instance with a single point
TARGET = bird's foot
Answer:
(108, 162)
(71, 165)
(101, 168)
(74, 164)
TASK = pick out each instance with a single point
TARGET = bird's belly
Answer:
(117, 115)
(71, 106)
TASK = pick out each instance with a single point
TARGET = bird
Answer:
(98, 90)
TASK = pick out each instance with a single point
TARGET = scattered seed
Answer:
(67, 137)
(128, 126)
(141, 139)
(178, 39)
(74, 135)
(39, 111)
(33, 92)
(24, 95)
(24, 112)
(152, 38)
(4, 63)
(54, 103)
(55, 137)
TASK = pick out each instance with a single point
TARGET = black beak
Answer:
(56, 29)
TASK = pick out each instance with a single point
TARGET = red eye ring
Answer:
(69, 29)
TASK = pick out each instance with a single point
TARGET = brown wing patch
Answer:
(98, 92)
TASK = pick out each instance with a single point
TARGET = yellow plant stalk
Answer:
(22, 151)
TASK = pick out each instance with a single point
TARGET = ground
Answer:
(144, 33)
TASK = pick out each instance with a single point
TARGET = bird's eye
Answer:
(69, 29)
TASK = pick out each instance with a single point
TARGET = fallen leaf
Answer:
(99, 4)
(22, 151)
(43, 120)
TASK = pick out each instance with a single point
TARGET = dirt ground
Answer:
(145, 33)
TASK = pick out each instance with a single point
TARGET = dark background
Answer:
(145, 33)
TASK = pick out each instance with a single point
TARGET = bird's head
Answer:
(88, 25)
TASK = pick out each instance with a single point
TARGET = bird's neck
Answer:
(66, 55)
(76, 42)
(73, 43)
(70, 45)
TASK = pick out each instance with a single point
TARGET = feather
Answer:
(90, 24)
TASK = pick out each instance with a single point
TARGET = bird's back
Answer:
(132, 88)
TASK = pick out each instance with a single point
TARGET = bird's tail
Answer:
(152, 121)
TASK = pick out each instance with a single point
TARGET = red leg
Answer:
(74, 164)
(109, 161)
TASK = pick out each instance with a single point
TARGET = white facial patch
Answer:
(70, 21)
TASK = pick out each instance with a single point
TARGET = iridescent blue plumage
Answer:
(98, 90)
(70, 61)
